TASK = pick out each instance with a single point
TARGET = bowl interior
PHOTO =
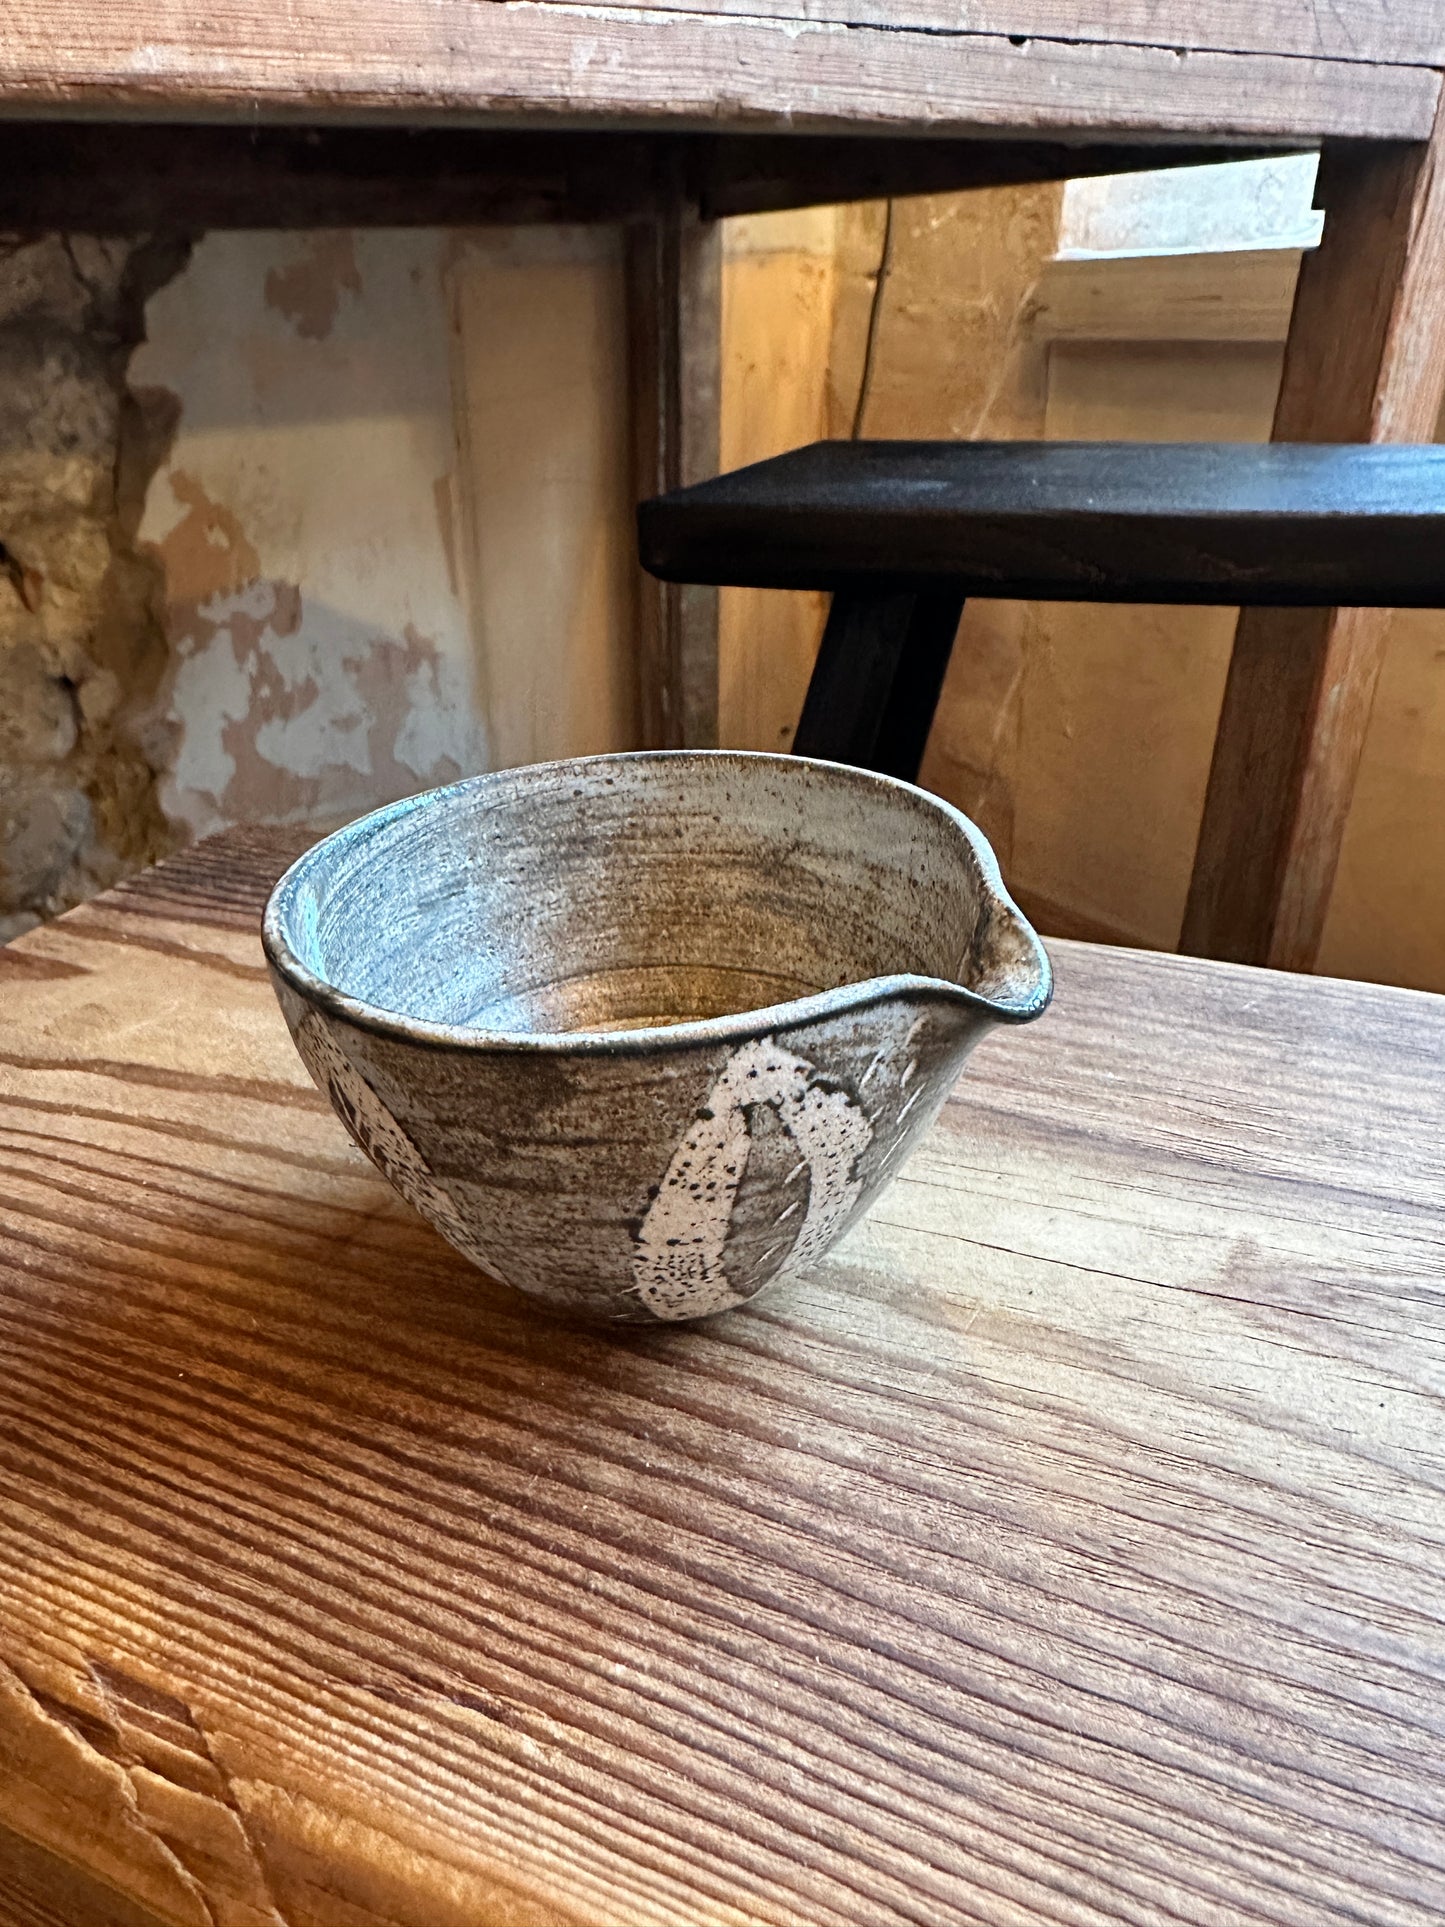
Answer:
(620, 892)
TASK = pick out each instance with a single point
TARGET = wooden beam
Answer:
(143, 177)
(880, 668)
(1412, 31)
(128, 178)
(461, 61)
(1365, 361)
(760, 173)
(1242, 295)
(674, 290)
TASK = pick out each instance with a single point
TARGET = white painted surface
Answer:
(1194, 210)
(322, 651)
(395, 520)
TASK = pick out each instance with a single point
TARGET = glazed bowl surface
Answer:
(642, 1033)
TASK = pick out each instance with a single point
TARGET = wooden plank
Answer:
(99, 177)
(1067, 1548)
(1193, 522)
(40, 1889)
(1365, 361)
(1358, 30)
(761, 173)
(455, 59)
(674, 295)
(1239, 295)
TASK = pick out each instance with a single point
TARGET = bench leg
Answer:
(674, 332)
(876, 682)
(1365, 362)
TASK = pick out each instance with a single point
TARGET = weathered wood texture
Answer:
(1367, 30)
(339, 59)
(674, 321)
(1068, 1550)
(128, 177)
(1365, 361)
(40, 1889)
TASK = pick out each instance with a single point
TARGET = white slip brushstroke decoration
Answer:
(678, 1266)
(383, 1140)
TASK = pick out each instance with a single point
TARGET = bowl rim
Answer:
(699, 1033)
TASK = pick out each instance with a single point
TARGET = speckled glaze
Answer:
(640, 1034)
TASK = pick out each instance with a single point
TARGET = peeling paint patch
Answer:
(207, 552)
(308, 291)
(397, 681)
(282, 710)
(320, 663)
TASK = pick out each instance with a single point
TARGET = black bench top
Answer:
(1195, 522)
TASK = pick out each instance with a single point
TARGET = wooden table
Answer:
(142, 114)
(1069, 1549)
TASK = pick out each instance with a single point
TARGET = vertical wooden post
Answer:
(1365, 362)
(674, 294)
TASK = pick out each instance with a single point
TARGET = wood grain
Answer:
(1243, 295)
(39, 1889)
(340, 59)
(674, 324)
(1365, 361)
(1361, 30)
(1070, 1549)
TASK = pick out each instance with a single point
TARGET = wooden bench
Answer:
(902, 533)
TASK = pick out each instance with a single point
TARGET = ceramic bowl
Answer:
(640, 1034)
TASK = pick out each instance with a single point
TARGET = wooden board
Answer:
(1237, 295)
(1361, 30)
(1192, 522)
(129, 177)
(458, 59)
(1365, 361)
(1069, 1549)
(674, 314)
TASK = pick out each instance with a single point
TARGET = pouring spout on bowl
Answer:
(1002, 973)
(1005, 966)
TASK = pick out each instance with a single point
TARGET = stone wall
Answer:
(81, 648)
